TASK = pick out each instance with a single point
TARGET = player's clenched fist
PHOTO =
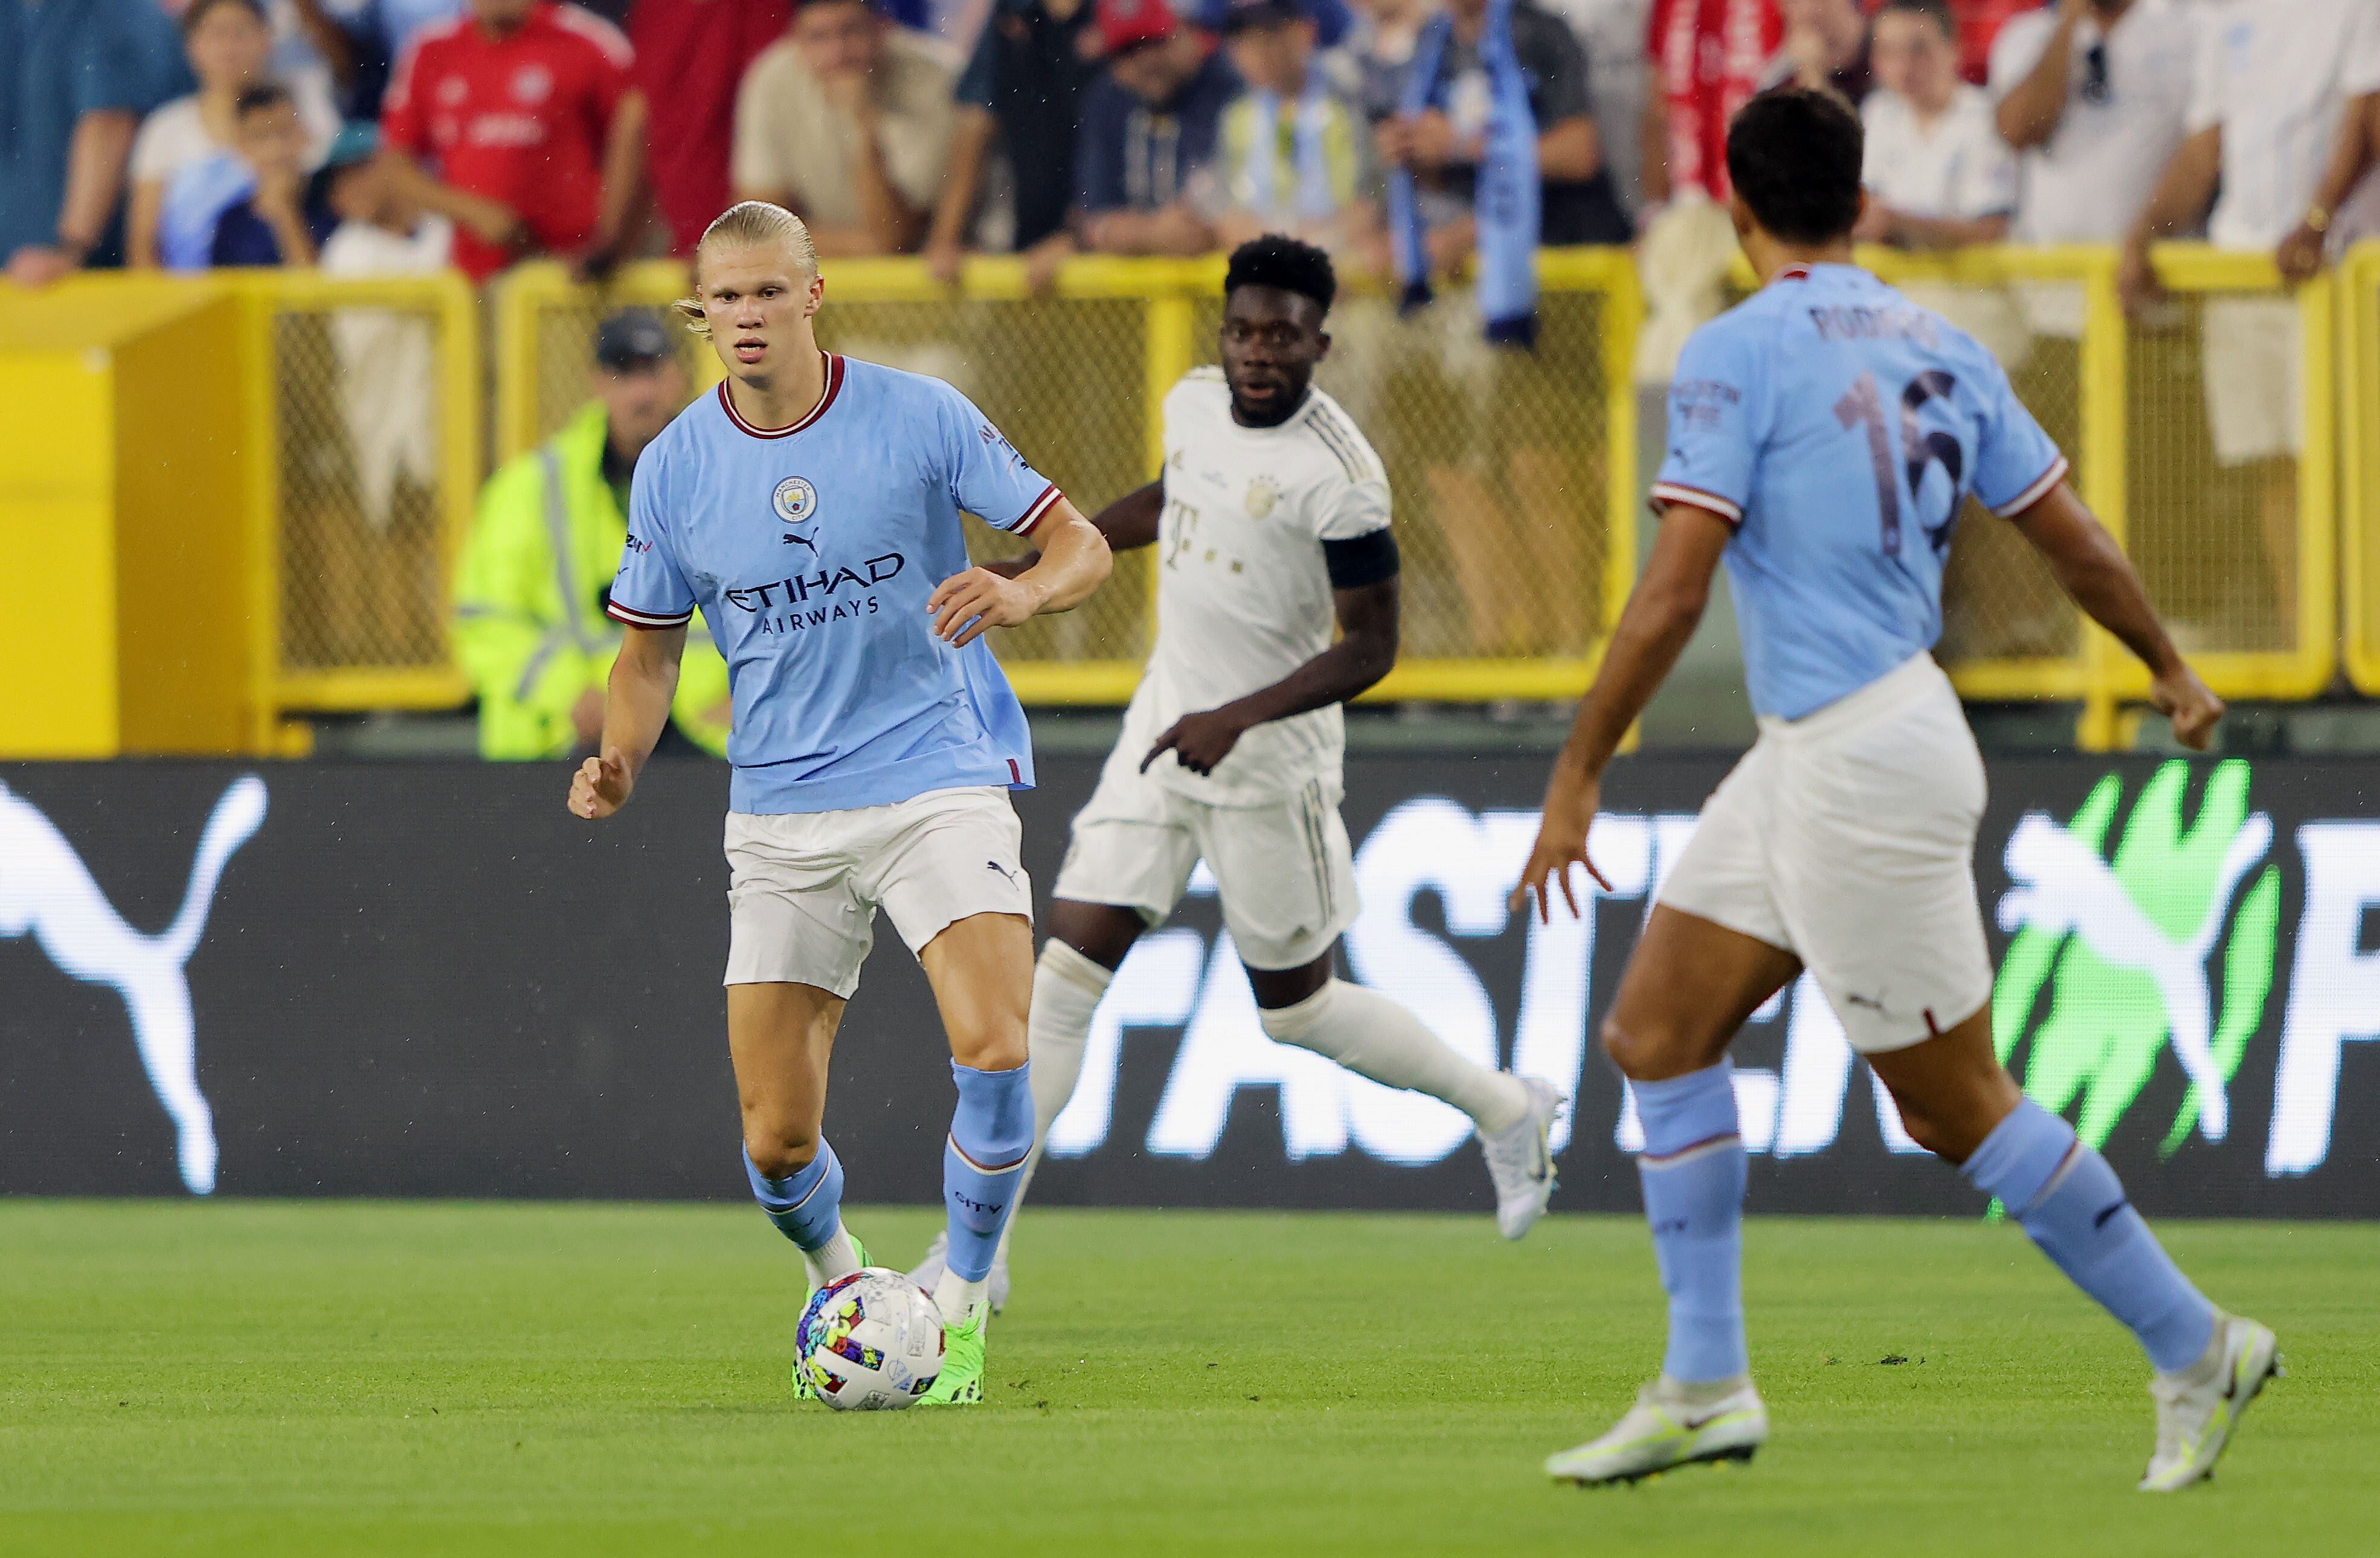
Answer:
(966, 604)
(2189, 703)
(601, 786)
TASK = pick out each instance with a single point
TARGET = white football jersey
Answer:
(1243, 596)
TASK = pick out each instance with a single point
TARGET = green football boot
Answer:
(803, 1389)
(961, 1382)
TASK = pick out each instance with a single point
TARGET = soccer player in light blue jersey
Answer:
(1823, 438)
(811, 509)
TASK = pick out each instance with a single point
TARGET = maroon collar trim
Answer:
(833, 388)
(1792, 273)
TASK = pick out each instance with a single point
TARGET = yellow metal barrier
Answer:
(2359, 294)
(359, 456)
(1515, 474)
(2234, 531)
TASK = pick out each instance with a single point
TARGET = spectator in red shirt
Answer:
(690, 58)
(519, 120)
(1708, 57)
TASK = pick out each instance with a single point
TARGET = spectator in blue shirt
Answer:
(1150, 128)
(287, 217)
(75, 76)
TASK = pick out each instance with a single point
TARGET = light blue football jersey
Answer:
(811, 551)
(1840, 428)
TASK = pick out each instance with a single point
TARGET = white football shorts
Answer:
(804, 886)
(1284, 871)
(1847, 838)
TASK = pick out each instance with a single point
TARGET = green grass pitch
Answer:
(372, 1378)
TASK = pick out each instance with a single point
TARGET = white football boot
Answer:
(2195, 1416)
(928, 1272)
(1520, 1161)
(1663, 1430)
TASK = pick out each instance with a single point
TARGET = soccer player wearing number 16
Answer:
(1822, 438)
(811, 509)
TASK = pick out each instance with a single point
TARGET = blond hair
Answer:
(747, 223)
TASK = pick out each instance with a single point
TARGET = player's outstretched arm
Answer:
(1365, 652)
(1074, 561)
(644, 682)
(1128, 522)
(2095, 571)
(1660, 616)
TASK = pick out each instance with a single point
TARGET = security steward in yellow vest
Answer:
(529, 626)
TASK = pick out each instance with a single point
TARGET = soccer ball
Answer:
(869, 1342)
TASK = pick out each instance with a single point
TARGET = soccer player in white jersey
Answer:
(1271, 523)
(1823, 437)
(811, 509)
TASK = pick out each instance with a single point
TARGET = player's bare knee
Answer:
(995, 1046)
(1633, 1052)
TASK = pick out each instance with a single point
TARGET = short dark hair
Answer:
(1277, 262)
(1936, 11)
(199, 9)
(1795, 156)
(258, 97)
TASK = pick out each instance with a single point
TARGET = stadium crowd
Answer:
(1412, 138)
(392, 135)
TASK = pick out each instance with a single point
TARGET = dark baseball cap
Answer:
(1330, 17)
(631, 339)
(1228, 17)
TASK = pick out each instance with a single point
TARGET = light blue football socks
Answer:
(2072, 1204)
(991, 1135)
(1692, 1170)
(806, 1205)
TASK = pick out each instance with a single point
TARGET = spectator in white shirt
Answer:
(2094, 96)
(2285, 92)
(1938, 175)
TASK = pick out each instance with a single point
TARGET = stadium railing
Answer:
(2359, 295)
(1516, 477)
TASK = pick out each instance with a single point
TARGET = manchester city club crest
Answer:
(1263, 493)
(795, 500)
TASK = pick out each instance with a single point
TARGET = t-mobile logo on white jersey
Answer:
(48, 893)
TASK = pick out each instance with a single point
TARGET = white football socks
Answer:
(955, 1295)
(1067, 988)
(837, 1257)
(1373, 1036)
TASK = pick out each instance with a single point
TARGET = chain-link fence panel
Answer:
(1065, 379)
(375, 459)
(1499, 462)
(2215, 424)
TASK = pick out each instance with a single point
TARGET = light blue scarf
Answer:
(1506, 198)
(195, 200)
(1317, 200)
